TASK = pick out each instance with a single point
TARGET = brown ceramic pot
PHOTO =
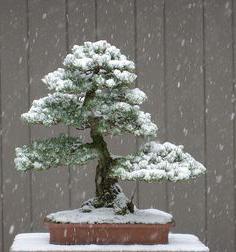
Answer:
(61, 233)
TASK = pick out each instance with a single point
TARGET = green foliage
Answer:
(120, 117)
(62, 150)
(57, 108)
(95, 89)
(101, 70)
(92, 66)
(158, 162)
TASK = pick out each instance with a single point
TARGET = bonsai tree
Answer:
(94, 90)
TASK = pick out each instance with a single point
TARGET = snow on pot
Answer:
(103, 226)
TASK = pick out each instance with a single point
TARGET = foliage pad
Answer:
(44, 154)
(158, 162)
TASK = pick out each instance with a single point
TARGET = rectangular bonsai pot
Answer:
(61, 233)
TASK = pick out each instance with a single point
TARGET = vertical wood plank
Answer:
(14, 101)
(150, 71)
(81, 16)
(233, 117)
(219, 125)
(47, 50)
(115, 23)
(1, 168)
(185, 109)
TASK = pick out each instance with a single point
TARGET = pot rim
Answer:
(48, 222)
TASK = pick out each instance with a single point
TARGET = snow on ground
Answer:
(39, 242)
(107, 215)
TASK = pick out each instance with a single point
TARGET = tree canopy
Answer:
(96, 89)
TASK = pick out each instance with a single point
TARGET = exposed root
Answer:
(116, 200)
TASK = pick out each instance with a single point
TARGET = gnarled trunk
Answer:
(104, 183)
(108, 192)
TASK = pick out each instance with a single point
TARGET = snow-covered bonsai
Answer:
(95, 90)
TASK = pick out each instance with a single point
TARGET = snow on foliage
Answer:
(158, 162)
(44, 154)
(135, 96)
(95, 89)
(92, 65)
(121, 116)
(100, 69)
(56, 108)
(115, 117)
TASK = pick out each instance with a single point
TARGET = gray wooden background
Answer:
(185, 56)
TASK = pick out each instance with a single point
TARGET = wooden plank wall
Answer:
(47, 43)
(185, 105)
(185, 56)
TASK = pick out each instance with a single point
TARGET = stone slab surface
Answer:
(39, 242)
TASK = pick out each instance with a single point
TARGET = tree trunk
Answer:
(104, 184)
(108, 192)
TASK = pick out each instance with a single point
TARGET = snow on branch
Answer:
(135, 96)
(56, 108)
(131, 96)
(122, 117)
(114, 116)
(91, 66)
(158, 162)
(100, 69)
(62, 150)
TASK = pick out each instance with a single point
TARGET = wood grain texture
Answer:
(1, 168)
(233, 117)
(47, 49)
(150, 69)
(185, 107)
(219, 125)
(14, 101)
(115, 23)
(81, 28)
